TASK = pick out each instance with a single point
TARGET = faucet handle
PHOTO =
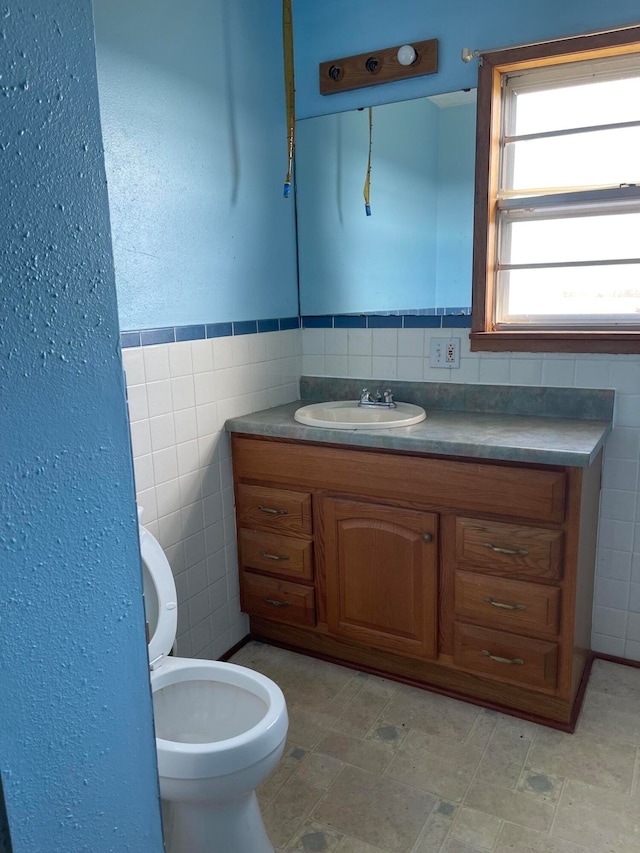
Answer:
(388, 396)
(364, 395)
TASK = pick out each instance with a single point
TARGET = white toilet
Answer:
(220, 730)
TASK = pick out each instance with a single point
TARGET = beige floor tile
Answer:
(288, 809)
(375, 810)
(602, 820)
(519, 839)
(430, 713)
(320, 770)
(509, 805)
(541, 785)
(476, 828)
(308, 723)
(434, 764)
(437, 828)
(614, 678)
(504, 758)
(483, 729)
(323, 799)
(610, 716)
(352, 845)
(390, 736)
(359, 752)
(365, 708)
(590, 759)
(454, 845)
(314, 838)
(290, 762)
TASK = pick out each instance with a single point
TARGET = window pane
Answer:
(585, 238)
(585, 105)
(604, 157)
(594, 292)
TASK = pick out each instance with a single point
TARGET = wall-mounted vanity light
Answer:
(380, 66)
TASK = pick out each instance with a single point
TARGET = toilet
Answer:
(220, 730)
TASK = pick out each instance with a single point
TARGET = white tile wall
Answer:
(179, 396)
(405, 354)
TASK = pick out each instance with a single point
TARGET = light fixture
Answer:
(407, 54)
(382, 65)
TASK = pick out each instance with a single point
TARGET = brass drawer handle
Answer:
(498, 659)
(500, 604)
(519, 552)
(269, 556)
(277, 603)
(271, 511)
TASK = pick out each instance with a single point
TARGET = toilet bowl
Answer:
(220, 730)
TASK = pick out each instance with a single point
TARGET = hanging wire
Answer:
(367, 180)
(289, 89)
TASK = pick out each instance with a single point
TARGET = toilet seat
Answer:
(161, 598)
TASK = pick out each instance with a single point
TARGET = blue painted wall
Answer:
(350, 262)
(77, 752)
(456, 176)
(193, 117)
(330, 29)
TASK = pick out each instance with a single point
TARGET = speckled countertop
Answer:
(496, 427)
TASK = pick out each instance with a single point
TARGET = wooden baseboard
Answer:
(615, 659)
(236, 648)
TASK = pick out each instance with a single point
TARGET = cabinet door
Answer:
(381, 576)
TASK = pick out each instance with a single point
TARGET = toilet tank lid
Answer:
(160, 597)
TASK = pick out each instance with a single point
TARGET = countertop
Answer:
(516, 438)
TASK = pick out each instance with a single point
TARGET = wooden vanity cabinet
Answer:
(474, 578)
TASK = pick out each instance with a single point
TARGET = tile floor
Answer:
(372, 766)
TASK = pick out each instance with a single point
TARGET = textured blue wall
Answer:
(330, 29)
(77, 752)
(193, 117)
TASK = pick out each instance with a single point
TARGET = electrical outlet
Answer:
(445, 352)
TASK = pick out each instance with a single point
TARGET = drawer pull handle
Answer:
(270, 511)
(500, 604)
(498, 659)
(277, 603)
(518, 552)
(269, 556)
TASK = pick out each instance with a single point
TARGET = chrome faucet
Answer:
(384, 400)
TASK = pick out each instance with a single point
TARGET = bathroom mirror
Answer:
(414, 251)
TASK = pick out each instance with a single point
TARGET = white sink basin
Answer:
(347, 414)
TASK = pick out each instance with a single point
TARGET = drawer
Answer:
(509, 549)
(276, 509)
(526, 608)
(279, 555)
(509, 657)
(275, 599)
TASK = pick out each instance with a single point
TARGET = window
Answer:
(557, 213)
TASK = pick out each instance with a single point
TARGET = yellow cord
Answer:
(367, 180)
(289, 89)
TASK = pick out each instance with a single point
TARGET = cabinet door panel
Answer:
(381, 576)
